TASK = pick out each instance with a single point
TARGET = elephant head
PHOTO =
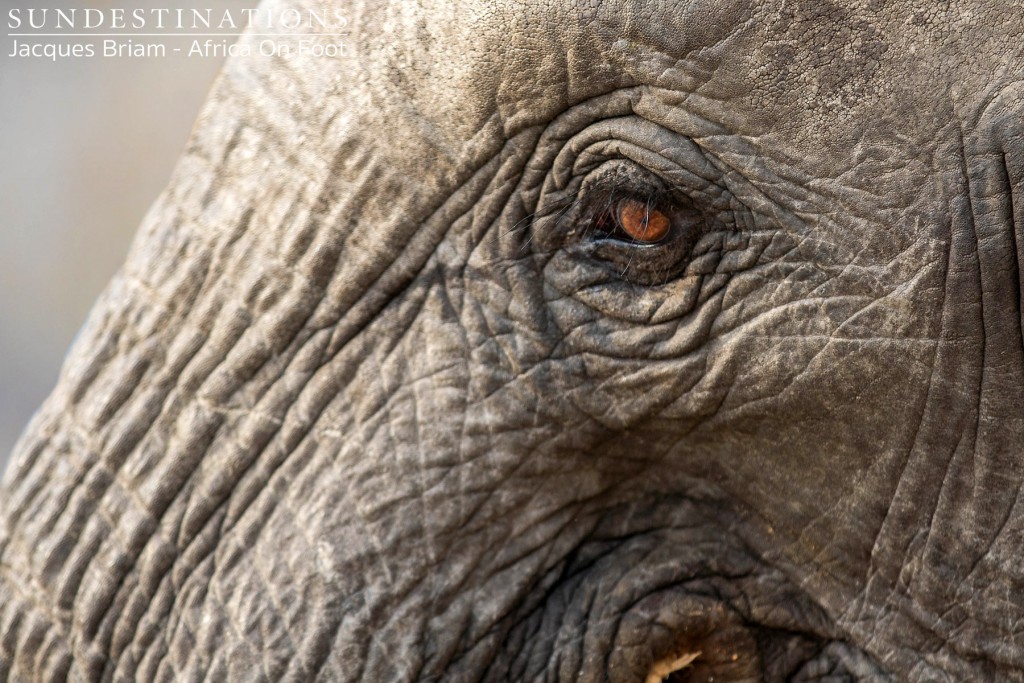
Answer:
(556, 341)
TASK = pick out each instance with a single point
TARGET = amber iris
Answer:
(642, 222)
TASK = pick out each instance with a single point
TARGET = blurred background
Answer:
(86, 145)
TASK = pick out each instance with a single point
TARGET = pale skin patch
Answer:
(661, 670)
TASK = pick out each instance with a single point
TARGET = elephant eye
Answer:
(646, 237)
(634, 220)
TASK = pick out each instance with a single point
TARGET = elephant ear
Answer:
(956, 512)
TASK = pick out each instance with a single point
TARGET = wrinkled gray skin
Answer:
(368, 402)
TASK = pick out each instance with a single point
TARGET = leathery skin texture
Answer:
(379, 395)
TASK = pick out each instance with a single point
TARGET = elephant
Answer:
(625, 341)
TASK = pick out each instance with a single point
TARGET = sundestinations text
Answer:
(166, 18)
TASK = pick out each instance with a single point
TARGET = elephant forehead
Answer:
(816, 72)
(462, 63)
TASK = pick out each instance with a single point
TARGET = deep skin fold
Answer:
(360, 407)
